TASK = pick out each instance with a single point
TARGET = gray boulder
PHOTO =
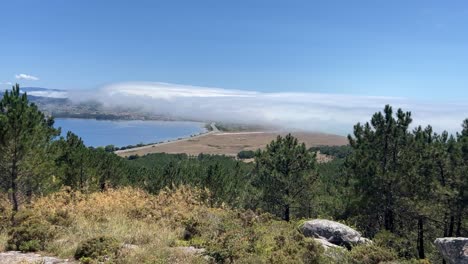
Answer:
(16, 257)
(333, 232)
(453, 249)
(325, 244)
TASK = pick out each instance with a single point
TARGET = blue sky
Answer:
(414, 49)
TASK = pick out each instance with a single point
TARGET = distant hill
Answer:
(35, 89)
(56, 103)
(44, 92)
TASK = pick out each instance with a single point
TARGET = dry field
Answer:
(231, 143)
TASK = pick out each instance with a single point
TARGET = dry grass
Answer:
(150, 228)
(151, 223)
(5, 212)
(3, 240)
(232, 143)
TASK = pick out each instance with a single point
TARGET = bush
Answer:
(99, 248)
(191, 229)
(5, 215)
(28, 233)
(401, 245)
(236, 240)
(371, 254)
(340, 152)
(60, 218)
(246, 154)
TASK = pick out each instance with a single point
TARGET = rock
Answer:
(325, 244)
(16, 257)
(129, 246)
(191, 250)
(333, 232)
(453, 249)
(196, 252)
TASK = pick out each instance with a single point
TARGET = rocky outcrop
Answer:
(333, 232)
(453, 249)
(16, 257)
(325, 244)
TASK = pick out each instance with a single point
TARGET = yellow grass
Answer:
(3, 240)
(151, 223)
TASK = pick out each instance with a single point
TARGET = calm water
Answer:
(122, 133)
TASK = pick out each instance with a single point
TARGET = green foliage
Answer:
(399, 244)
(339, 152)
(415, 178)
(371, 254)
(29, 232)
(285, 172)
(246, 154)
(25, 144)
(227, 179)
(110, 148)
(331, 193)
(375, 167)
(99, 248)
(251, 238)
(60, 218)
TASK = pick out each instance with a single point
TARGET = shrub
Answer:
(246, 154)
(371, 254)
(4, 216)
(60, 218)
(99, 248)
(29, 233)
(191, 229)
(401, 245)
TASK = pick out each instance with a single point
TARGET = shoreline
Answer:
(214, 130)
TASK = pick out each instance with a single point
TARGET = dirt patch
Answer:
(232, 143)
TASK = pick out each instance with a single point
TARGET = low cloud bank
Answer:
(331, 113)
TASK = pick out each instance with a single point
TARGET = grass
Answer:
(153, 228)
(148, 223)
(3, 240)
(150, 228)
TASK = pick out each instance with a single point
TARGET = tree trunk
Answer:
(81, 174)
(388, 218)
(451, 225)
(421, 238)
(389, 215)
(14, 186)
(286, 216)
(446, 225)
(459, 221)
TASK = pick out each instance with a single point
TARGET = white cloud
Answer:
(335, 113)
(6, 83)
(27, 77)
(50, 94)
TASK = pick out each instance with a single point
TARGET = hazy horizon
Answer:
(317, 112)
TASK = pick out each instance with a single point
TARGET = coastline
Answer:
(214, 130)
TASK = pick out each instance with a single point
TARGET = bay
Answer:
(121, 133)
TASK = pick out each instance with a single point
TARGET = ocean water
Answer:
(122, 133)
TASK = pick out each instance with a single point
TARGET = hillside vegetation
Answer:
(401, 188)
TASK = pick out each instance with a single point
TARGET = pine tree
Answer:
(73, 160)
(25, 134)
(285, 174)
(375, 166)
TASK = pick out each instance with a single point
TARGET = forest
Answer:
(399, 183)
